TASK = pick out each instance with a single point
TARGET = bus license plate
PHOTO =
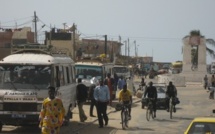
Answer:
(18, 116)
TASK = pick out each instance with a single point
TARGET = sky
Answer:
(157, 26)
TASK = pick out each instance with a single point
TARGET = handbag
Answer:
(139, 94)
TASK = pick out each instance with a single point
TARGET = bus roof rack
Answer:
(37, 48)
(29, 48)
(94, 59)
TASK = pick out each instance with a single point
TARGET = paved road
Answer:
(194, 102)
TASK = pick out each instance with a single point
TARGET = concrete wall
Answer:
(177, 80)
(4, 52)
(65, 46)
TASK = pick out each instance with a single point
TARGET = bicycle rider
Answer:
(151, 92)
(125, 97)
(171, 92)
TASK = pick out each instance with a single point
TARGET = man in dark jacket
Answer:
(151, 92)
(171, 92)
(92, 99)
(82, 94)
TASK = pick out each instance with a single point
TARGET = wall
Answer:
(177, 80)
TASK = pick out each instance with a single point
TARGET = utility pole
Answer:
(125, 47)
(35, 27)
(120, 49)
(74, 42)
(105, 45)
(135, 48)
(50, 35)
(64, 27)
(128, 48)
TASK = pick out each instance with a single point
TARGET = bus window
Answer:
(61, 75)
(73, 73)
(67, 74)
(57, 76)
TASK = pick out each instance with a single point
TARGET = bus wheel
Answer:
(1, 126)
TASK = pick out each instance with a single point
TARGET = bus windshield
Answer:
(88, 72)
(25, 76)
(120, 69)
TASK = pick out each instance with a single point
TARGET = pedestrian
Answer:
(81, 95)
(130, 86)
(212, 86)
(91, 95)
(205, 81)
(116, 79)
(102, 97)
(52, 114)
(120, 83)
(109, 81)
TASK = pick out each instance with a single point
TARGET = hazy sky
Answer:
(157, 26)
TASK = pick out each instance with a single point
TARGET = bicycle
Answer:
(149, 110)
(171, 106)
(125, 115)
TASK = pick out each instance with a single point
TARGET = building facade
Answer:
(9, 37)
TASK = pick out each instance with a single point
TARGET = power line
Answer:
(15, 20)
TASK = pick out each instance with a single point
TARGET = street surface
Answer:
(194, 102)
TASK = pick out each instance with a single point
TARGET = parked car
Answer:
(201, 125)
(161, 96)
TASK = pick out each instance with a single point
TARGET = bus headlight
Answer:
(1, 106)
(39, 106)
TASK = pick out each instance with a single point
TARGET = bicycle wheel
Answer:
(126, 118)
(152, 113)
(123, 119)
(148, 114)
(171, 109)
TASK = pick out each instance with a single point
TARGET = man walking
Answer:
(102, 97)
(109, 81)
(81, 95)
(121, 83)
(92, 100)
(205, 81)
(211, 96)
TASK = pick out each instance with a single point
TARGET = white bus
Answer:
(24, 82)
(122, 71)
(213, 68)
(87, 69)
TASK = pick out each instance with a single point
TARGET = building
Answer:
(95, 47)
(9, 37)
(63, 40)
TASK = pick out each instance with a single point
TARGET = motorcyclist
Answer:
(171, 92)
(151, 92)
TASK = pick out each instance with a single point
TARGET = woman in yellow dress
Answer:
(52, 114)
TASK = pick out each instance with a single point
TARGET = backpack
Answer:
(176, 100)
